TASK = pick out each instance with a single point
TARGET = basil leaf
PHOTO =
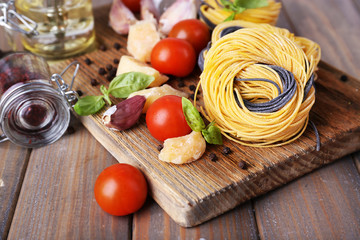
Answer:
(226, 3)
(212, 134)
(238, 6)
(89, 105)
(192, 115)
(231, 17)
(125, 84)
(106, 94)
(251, 3)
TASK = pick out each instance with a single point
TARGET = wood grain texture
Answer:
(356, 157)
(188, 192)
(13, 165)
(333, 24)
(57, 201)
(321, 205)
(153, 223)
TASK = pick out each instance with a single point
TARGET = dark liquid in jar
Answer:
(34, 115)
(10, 76)
(37, 114)
(32, 112)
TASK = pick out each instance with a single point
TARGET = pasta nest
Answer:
(257, 83)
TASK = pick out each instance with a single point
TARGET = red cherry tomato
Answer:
(133, 5)
(165, 118)
(194, 31)
(120, 189)
(173, 56)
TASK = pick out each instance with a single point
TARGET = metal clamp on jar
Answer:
(52, 29)
(34, 105)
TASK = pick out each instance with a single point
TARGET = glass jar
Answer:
(59, 28)
(33, 112)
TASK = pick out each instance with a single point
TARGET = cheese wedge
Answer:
(183, 149)
(130, 64)
(141, 39)
(151, 94)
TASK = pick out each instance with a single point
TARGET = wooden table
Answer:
(47, 193)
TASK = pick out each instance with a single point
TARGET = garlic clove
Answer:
(120, 17)
(179, 10)
(148, 11)
(124, 114)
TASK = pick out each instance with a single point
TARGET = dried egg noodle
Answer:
(257, 83)
(213, 13)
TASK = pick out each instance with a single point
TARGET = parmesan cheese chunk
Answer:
(183, 149)
(155, 93)
(130, 64)
(141, 39)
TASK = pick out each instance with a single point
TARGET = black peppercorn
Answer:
(94, 82)
(181, 84)
(109, 67)
(102, 71)
(79, 92)
(116, 61)
(70, 130)
(192, 96)
(226, 150)
(109, 77)
(88, 61)
(192, 87)
(102, 47)
(113, 72)
(242, 165)
(213, 157)
(343, 78)
(117, 46)
(160, 147)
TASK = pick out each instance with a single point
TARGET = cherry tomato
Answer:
(133, 5)
(194, 31)
(165, 118)
(120, 189)
(173, 56)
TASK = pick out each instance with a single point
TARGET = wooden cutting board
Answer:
(199, 191)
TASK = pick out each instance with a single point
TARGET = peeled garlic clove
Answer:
(124, 114)
(179, 10)
(148, 11)
(120, 17)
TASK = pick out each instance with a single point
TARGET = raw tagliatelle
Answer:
(257, 83)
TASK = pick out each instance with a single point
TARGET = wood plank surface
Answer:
(333, 24)
(57, 201)
(154, 223)
(186, 192)
(13, 163)
(321, 205)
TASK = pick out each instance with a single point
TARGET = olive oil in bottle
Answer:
(66, 27)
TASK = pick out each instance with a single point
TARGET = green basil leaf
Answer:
(125, 84)
(226, 3)
(192, 115)
(89, 105)
(238, 6)
(212, 134)
(231, 17)
(251, 3)
(106, 94)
